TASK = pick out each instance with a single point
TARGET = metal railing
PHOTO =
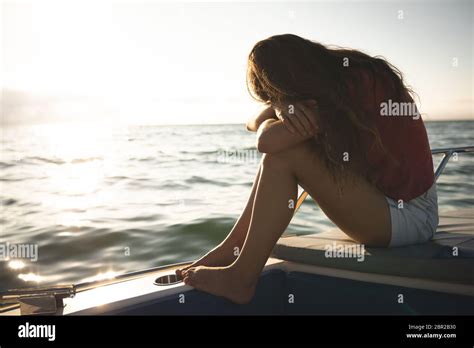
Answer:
(447, 154)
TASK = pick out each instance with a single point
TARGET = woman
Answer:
(333, 125)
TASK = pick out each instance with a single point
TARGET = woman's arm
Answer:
(256, 121)
(294, 127)
(273, 136)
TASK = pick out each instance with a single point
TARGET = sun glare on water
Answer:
(16, 264)
(78, 153)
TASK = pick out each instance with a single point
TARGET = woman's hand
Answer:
(274, 136)
(299, 117)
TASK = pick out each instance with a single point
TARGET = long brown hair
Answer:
(289, 68)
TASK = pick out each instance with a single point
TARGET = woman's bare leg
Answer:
(362, 212)
(224, 254)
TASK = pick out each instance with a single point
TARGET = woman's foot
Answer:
(221, 281)
(218, 257)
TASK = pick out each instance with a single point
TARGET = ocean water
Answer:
(99, 201)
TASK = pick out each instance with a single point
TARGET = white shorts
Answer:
(415, 221)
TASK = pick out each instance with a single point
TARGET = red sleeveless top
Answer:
(409, 173)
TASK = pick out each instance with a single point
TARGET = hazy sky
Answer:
(184, 62)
